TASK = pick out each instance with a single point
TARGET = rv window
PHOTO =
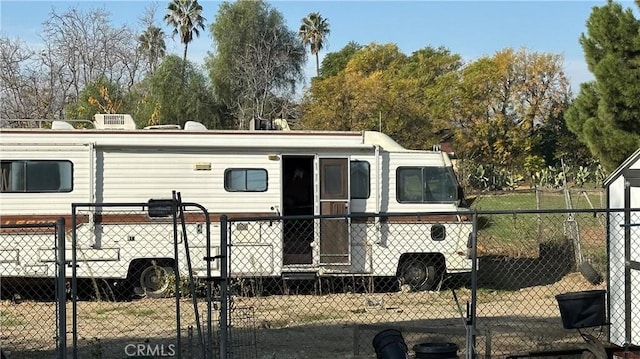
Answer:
(360, 179)
(426, 185)
(28, 176)
(245, 180)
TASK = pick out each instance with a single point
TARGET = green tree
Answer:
(99, 96)
(313, 32)
(159, 101)
(605, 114)
(152, 46)
(504, 101)
(185, 16)
(354, 98)
(257, 60)
(380, 88)
(434, 73)
(334, 62)
(558, 143)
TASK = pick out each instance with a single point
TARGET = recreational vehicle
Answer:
(388, 211)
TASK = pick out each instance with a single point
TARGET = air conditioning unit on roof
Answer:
(114, 121)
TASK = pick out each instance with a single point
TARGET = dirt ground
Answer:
(297, 326)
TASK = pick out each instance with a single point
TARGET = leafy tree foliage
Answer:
(257, 60)
(313, 32)
(100, 96)
(504, 101)
(334, 62)
(605, 114)
(380, 88)
(159, 101)
(557, 144)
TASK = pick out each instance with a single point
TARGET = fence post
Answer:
(61, 293)
(224, 276)
(471, 308)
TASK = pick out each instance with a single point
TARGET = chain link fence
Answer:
(31, 312)
(289, 295)
(525, 259)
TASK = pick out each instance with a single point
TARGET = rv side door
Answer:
(334, 200)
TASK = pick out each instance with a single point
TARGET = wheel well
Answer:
(436, 258)
(138, 265)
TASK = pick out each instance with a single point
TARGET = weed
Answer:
(8, 320)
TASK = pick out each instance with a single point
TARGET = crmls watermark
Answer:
(150, 350)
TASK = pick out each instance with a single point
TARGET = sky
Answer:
(471, 29)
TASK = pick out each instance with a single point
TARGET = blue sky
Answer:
(468, 28)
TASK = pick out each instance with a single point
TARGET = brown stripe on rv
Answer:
(114, 218)
(40, 219)
(43, 219)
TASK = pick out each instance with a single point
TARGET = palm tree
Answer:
(185, 16)
(313, 32)
(151, 45)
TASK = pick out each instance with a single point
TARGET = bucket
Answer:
(389, 344)
(582, 309)
(436, 350)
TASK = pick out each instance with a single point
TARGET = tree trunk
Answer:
(184, 63)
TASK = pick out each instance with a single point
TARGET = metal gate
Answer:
(142, 281)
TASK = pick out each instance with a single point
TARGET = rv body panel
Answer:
(56, 203)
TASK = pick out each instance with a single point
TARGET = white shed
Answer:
(623, 198)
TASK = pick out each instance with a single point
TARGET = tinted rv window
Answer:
(359, 179)
(36, 176)
(245, 180)
(426, 185)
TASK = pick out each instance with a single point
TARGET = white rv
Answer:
(416, 231)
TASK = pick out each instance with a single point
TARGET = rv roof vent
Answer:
(162, 127)
(61, 125)
(194, 126)
(114, 122)
(281, 124)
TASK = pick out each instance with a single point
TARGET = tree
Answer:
(159, 101)
(100, 96)
(19, 86)
(313, 32)
(503, 102)
(380, 88)
(77, 48)
(152, 46)
(185, 16)
(606, 113)
(334, 62)
(352, 99)
(88, 47)
(257, 61)
(151, 41)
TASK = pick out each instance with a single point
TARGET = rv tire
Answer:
(154, 281)
(590, 273)
(420, 274)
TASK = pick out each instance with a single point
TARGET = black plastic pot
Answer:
(389, 344)
(582, 309)
(436, 350)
